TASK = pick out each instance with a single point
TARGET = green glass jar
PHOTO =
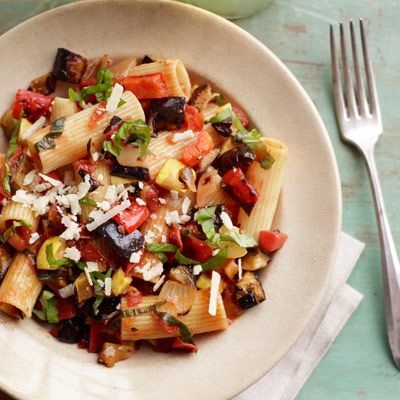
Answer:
(231, 9)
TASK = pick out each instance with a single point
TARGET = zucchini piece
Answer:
(249, 291)
(255, 261)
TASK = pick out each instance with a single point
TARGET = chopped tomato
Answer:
(196, 249)
(87, 166)
(96, 338)
(241, 190)
(20, 239)
(98, 113)
(172, 329)
(192, 228)
(151, 194)
(32, 104)
(233, 212)
(131, 218)
(134, 300)
(174, 236)
(151, 86)
(271, 241)
(194, 120)
(89, 82)
(241, 114)
(193, 153)
(90, 252)
(179, 344)
(65, 308)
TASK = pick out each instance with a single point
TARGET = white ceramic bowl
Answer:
(35, 366)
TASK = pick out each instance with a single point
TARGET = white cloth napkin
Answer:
(286, 379)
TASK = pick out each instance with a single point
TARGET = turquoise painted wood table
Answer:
(358, 366)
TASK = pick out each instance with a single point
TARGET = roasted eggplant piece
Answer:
(249, 291)
(71, 330)
(200, 96)
(106, 312)
(22, 167)
(182, 275)
(68, 66)
(139, 173)
(147, 60)
(167, 113)
(241, 156)
(223, 128)
(255, 260)
(8, 123)
(94, 65)
(45, 84)
(125, 245)
(5, 260)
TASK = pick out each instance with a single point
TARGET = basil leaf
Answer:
(215, 261)
(102, 89)
(81, 265)
(224, 116)
(98, 291)
(48, 302)
(74, 96)
(57, 127)
(53, 262)
(13, 142)
(205, 218)
(108, 146)
(134, 312)
(7, 179)
(170, 320)
(267, 162)
(161, 248)
(220, 100)
(241, 239)
(86, 201)
(181, 259)
(48, 141)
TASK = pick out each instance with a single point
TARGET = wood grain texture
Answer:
(358, 365)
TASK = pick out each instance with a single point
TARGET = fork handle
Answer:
(389, 259)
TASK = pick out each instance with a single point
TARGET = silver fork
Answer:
(359, 119)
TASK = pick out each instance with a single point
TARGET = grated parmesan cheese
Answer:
(215, 281)
(107, 286)
(34, 237)
(186, 205)
(135, 257)
(163, 239)
(226, 220)
(72, 253)
(22, 196)
(54, 182)
(29, 177)
(149, 237)
(174, 194)
(108, 215)
(172, 217)
(240, 270)
(104, 205)
(197, 269)
(67, 291)
(34, 128)
(153, 216)
(140, 202)
(115, 97)
(215, 252)
(159, 283)
(88, 277)
(111, 194)
(179, 137)
(161, 200)
(184, 218)
(73, 229)
(92, 266)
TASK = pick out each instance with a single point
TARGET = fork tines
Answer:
(353, 102)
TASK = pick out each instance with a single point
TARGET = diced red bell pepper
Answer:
(32, 104)
(196, 249)
(179, 344)
(98, 113)
(87, 166)
(245, 194)
(151, 86)
(194, 120)
(271, 241)
(241, 114)
(131, 218)
(90, 252)
(172, 329)
(174, 236)
(65, 308)
(193, 153)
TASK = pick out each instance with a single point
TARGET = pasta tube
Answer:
(14, 211)
(21, 287)
(268, 183)
(71, 145)
(63, 108)
(198, 320)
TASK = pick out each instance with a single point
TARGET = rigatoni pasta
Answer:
(138, 208)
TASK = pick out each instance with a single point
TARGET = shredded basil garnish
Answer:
(134, 312)
(215, 261)
(98, 291)
(243, 239)
(49, 310)
(205, 217)
(11, 230)
(86, 201)
(48, 141)
(170, 320)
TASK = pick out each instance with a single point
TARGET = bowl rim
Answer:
(337, 201)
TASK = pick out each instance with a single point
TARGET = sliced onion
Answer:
(181, 296)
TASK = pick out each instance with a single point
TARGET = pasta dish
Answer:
(136, 206)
